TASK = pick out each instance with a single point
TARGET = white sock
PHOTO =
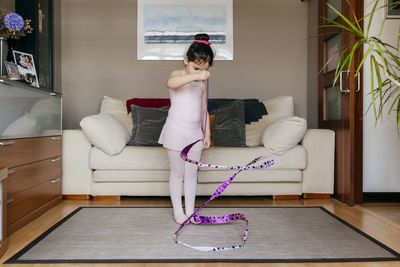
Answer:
(190, 182)
(177, 168)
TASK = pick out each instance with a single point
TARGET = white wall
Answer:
(381, 165)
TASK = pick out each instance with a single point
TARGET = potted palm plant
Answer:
(384, 57)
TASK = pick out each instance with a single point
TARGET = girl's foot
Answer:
(193, 221)
(180, 218)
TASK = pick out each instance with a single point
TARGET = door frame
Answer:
(348, 130)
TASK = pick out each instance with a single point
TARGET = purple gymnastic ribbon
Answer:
(221, 188)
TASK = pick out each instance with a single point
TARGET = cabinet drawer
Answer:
(28, 201)
(16, 152)
(30, 175)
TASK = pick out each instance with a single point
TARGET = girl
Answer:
(185, 123)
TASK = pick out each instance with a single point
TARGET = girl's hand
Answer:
(207, 141)
(203, 75)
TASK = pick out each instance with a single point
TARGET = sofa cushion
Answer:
(278, 107)
(284, 134)
(295, 158)
(148, 123)
(116, 107)
(156, 158)
(131, 158)
(105, 132)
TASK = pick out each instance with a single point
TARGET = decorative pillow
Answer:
(116, 107)
(228, 127)
(147, 125)
(284, 134)
(105, 132)
(278, 107)
(25, 125)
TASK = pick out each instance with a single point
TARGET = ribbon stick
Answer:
(221, 188)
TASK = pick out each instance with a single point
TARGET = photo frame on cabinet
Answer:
(26, 67)
(12, 71)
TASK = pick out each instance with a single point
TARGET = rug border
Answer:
(15, 258)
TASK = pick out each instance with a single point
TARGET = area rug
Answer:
(143, 234)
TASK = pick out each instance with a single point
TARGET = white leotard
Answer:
(183, 124)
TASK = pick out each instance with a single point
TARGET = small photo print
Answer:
(12, 69)
(26, 67)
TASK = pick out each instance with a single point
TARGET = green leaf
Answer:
(381, 53)
(339, 70)
(398, 116)
(378, 75)
(398, 39)
(351, 55)
(394, 102)
(372, 14)
(383, 43)
(346, 20)
(335, 24)
(371, 47)
(372, 90)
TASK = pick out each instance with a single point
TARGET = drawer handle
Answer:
(10, 200)
(55, 138)
(55, 159)
(6, 143)
(10, 172)
(55, 180)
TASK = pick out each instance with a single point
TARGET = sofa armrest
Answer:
(318, 176)
(77, 174)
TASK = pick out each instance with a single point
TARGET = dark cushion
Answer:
(228, 128)
(147, 125)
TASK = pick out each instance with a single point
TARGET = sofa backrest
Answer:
(278, 107)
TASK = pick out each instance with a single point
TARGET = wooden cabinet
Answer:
(34, 177)
(3, 210)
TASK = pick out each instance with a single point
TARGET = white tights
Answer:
(180, 169)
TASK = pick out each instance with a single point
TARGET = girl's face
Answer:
(194, 67)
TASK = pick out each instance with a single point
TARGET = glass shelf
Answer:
(27, 111)
(25, 85)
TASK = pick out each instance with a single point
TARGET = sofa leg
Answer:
(285, 197)
(108, 198)
(76, 197)
(312, 195)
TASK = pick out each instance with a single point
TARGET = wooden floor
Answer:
(379, 220)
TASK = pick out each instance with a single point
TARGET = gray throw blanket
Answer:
(253, 108)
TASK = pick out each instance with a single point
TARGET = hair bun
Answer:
(202, 36)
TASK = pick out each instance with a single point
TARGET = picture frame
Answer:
(392, 11)
(26, 67)
(165, 29)
(12, 71)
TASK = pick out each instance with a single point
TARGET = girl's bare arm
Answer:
(177, 79)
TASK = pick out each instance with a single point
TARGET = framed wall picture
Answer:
(392, 9)
(12, 71)
(165, 29)
(26, 67)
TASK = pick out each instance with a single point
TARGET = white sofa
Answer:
(144, 171)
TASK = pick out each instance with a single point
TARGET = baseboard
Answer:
(381, 197)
